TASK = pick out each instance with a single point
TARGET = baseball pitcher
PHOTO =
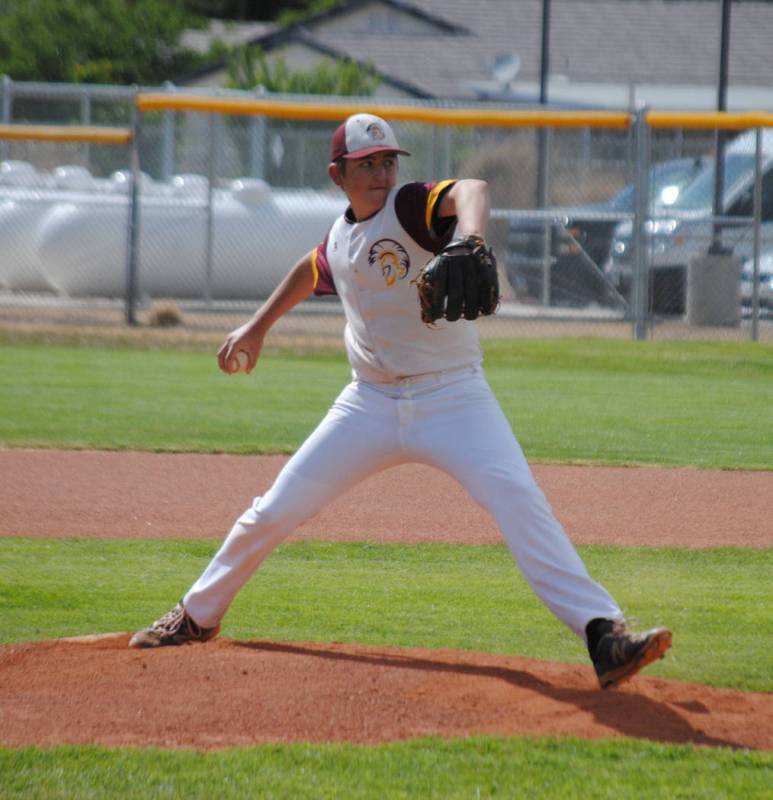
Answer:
(412, 271)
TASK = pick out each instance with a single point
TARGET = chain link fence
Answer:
(599, 230)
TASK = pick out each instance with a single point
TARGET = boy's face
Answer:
(367, 181)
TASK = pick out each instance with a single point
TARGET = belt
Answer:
(439, 378)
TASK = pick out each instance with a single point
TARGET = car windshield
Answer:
(663, 176)
(700, 193)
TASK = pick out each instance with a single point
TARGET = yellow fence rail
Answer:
(66, 133)
(440, 116)
(722, 120)
(527, 118)
(334, 112)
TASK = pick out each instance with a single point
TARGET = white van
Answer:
(687, 228)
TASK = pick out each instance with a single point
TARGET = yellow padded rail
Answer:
(286, 109)
(66, 133)
(710, 120)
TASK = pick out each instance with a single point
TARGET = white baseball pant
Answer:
(449, 420)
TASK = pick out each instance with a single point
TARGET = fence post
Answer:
(257, 142)
(544, 144)
(132, 239)
(214, 136)
(757, 232)
(640, 286)
(85, 102)
(167, 140)
(446, 168)
(257, 147)
(7, 114)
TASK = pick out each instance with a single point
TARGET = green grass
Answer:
(61, 396)
(702, 404)
(427, 768)
(432, 595)
(675, 403)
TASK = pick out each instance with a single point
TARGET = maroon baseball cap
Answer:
(362, 135)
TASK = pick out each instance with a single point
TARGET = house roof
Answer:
(231, 34)
(645, 41)
(671, 42)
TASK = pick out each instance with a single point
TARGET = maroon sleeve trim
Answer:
(416, 206)
(323, 276)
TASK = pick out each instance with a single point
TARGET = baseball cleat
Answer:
(620, 654)
(175, 627)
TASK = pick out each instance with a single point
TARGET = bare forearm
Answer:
(248, 338)
(297, 285)
(472, 206)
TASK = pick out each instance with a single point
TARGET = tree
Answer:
(248, 67)
(95, 41)
(291, 15)
(284, 11)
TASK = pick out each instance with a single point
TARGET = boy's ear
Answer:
(335, 174)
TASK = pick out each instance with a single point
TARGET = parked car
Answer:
(765, 281)
(580, 240)
(674, 239)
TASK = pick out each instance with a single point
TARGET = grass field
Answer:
(430, 595)
(698, 404)
(489, 767)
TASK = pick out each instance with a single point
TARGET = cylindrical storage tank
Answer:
(257, 242)
(82, 246)
(20, 220)
(257, 236)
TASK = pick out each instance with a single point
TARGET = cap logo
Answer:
(375, 131)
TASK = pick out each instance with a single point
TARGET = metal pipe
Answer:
(547, 228)
(719, 167)
(211, 177)
(257, 129)
(86, 120)
(132, 243)
(545, 53)
(7, 113)
(543, 143)
(72, 90)
(757, 234)
(167, 140)
(640, 286)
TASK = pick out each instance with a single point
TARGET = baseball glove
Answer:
(461, 280)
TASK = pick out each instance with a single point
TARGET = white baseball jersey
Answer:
(371, 264)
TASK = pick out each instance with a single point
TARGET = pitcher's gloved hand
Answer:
(461, 280)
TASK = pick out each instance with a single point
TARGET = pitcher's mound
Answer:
(229, 693)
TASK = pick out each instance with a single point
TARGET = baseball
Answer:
(238, 362)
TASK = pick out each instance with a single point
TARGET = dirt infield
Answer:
(118, 495)
(247, 692)
(234, 693)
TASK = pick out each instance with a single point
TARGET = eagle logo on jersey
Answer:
(392, 258)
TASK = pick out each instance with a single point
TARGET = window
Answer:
(744, 205)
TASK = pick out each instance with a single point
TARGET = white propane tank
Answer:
(20, 221)
(258, 235)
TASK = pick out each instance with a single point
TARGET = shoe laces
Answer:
(621, 643)
(619, 649)
(619, 629)
(172, 621)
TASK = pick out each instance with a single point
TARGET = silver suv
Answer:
(580, 240)
(686, 228)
